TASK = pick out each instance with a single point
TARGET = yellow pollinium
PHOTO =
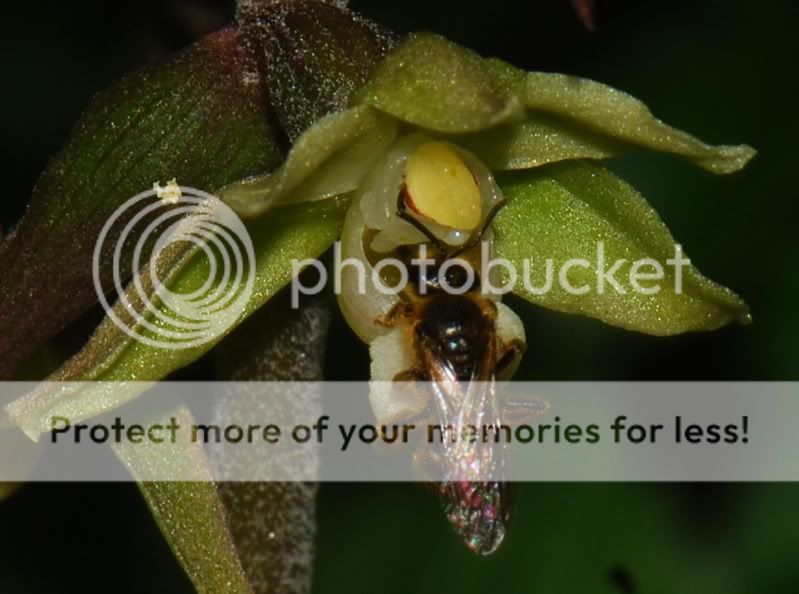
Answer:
(441, 187)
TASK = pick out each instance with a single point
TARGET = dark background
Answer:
(724, 71)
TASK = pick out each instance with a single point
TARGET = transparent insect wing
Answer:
(479, 512)
(476, 499)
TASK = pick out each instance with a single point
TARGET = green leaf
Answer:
(195, 117)
(431, 82)
(329, 159)
(190, 515)
(288, 233)
(561, 212)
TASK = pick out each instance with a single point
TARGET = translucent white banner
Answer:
(327, 431)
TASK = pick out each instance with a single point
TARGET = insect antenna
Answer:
(402, 212)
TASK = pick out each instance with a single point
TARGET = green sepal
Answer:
(516, 120)
(329, 159)
(433, 83)
(561, 212)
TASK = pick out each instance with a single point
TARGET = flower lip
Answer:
(444, 188)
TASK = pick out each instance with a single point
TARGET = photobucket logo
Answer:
(498, 276)
(177, 223)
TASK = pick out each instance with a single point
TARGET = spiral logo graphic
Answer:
(178, 225)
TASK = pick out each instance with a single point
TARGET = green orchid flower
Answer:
(539, 137)
(547, 130)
